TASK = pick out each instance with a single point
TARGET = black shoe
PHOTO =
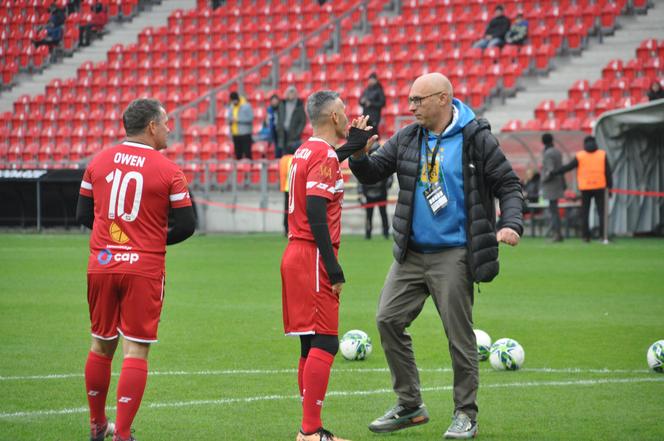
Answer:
(400, 417)
(100, 432)
(319, 435)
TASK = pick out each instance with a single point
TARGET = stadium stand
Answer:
(622, 84)
(193, 60)
(23, 22)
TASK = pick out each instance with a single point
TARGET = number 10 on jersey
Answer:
(116, 205)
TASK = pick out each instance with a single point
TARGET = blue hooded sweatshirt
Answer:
(432, 233)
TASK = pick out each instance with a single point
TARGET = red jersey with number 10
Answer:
(133, 187)
(314, 171)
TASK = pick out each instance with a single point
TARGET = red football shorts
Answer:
(125, 303)
(309, 306)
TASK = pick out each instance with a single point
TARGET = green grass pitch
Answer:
(584, 313)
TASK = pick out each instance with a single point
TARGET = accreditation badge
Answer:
(435, 197)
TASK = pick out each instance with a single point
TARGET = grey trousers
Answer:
(446, 277)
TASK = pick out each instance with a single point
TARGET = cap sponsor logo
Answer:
(105, 256)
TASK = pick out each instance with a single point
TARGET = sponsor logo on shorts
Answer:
(105, 256)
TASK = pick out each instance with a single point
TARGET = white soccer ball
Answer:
(355, 345)
(506, 354)
(483, 344)
(655, 356)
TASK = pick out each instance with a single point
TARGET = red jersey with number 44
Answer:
(314, 171)
(133, 187)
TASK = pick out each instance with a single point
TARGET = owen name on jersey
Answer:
(126, 159)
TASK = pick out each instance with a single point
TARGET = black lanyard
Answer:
(435, 154)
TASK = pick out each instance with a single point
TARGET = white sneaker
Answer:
(462, 427)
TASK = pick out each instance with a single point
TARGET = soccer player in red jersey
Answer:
(126, 195)
(312, 278)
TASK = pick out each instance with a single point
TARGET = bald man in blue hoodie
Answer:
(450, 170)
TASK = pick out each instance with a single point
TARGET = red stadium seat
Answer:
(77, 151)
(619, 88)
(564, 110)
(224, 151)
(30, 152)
(221, 172)
(580, 89)
(543, 55)
(584, 109)
(647, 49)
(513, 125)
(639, 87)
(599, 89)
(544, 110)
(572, 123)
(613, 69)
(575, 38)
(532, 125)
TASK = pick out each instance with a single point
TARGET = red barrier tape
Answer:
(378, 204)
(272, 210)
(655, 194)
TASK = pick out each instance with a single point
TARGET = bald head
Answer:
(430, 101)
(432, 83)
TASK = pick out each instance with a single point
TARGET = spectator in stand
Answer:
(593, 177)
(373, 101)
(655, 92)
(495, 32)
(217, 3)
(97, 21)
(53, 28)
(291, 120)
(518, 32)
(51, 37)
(376, 194)
(271, 123)
(57, 15)
(73, 6)
(553, 187)
(240, 118)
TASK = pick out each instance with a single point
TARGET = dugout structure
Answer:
(36, 198)
(634, 141)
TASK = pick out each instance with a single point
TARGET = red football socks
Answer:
(316, 376)
(300, 376)
(97, 379)
(131, 386)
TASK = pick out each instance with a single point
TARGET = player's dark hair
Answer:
(547, 139)
(138, 115)
(318, 102)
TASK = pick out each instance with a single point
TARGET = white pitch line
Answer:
(224, 401)
(229, 372)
